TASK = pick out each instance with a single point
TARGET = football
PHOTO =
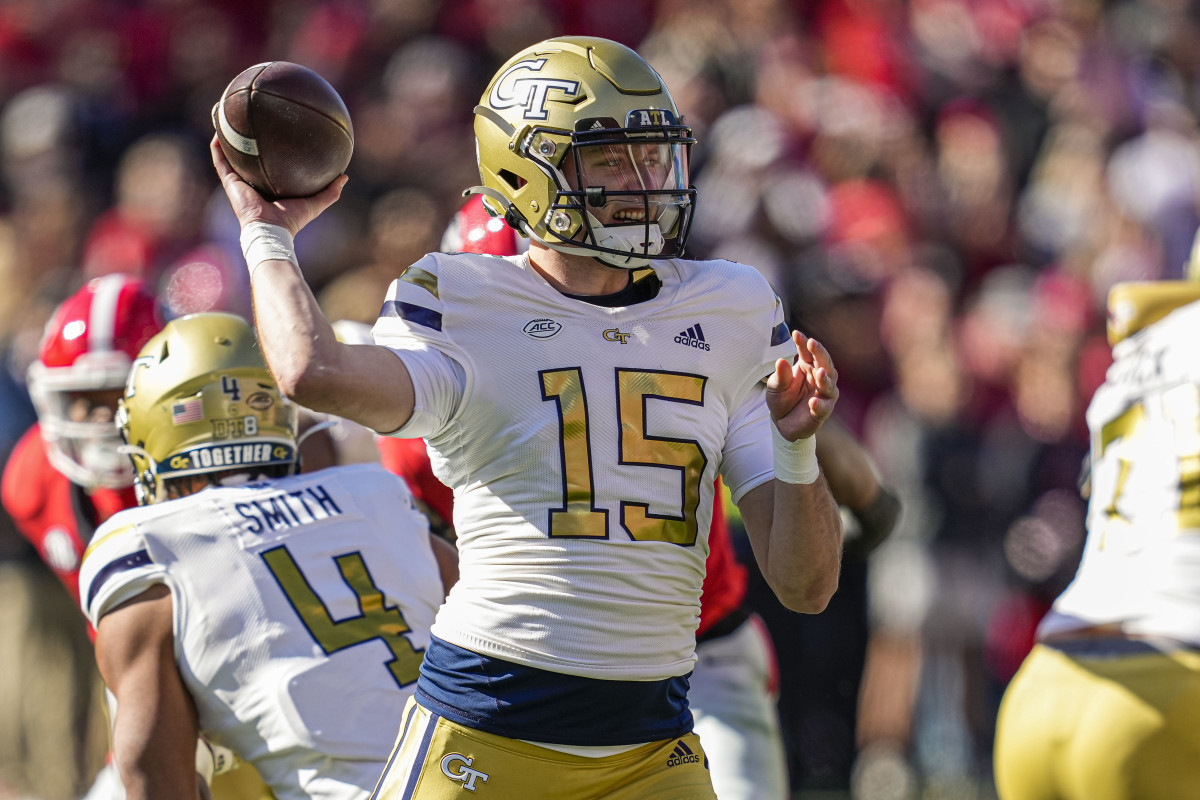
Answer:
(284, 129)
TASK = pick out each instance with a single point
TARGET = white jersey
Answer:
(1141, 563)
(582, 450)
(302, 612)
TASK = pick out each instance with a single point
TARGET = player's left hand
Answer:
(801, 396)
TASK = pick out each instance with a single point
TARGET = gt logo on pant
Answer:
(465, 774)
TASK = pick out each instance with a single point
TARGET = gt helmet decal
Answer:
(528, 93)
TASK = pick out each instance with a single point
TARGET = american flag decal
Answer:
(187, 411)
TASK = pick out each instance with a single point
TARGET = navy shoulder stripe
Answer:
(138, 559)
(418, 315)
(780, 335)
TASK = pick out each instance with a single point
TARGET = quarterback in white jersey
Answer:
(1108, 703)
(638, 430)
(581, 400)
(293, 612)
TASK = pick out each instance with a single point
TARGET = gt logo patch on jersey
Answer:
(457, 767)
(614, 335)
(530, 93)
(542, 328)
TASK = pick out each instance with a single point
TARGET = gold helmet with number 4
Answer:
(1133, 305)
(581, 148)
(200, 401)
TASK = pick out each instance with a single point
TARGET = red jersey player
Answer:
(65, 476)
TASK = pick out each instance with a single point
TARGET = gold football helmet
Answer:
(1133, 305)
(581, 148)
(200, 400)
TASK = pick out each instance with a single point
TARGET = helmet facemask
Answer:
(83, 360)
(76, 405)
(622, 192)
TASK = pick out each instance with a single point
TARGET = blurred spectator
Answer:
(403, 225)
(160, 189)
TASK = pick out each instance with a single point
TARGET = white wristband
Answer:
(795, 462)
(204, 761)
(213, 759)
(262, 241)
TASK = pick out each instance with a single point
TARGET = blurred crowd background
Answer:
(943, 191)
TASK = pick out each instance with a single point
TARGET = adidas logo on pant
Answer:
(682, 754)
(693, 337)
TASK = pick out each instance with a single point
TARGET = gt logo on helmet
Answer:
(531, 93)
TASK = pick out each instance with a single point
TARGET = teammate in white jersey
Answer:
(281, 616)
(1107, 705)
(581, 407)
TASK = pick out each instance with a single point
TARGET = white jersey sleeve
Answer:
(117, 566)
(410, 325)
(584, 449)
(746, 463)
(1141, 562)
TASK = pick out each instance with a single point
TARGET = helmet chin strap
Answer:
(511, 215)
(614, 239)
(145, 494)
(320, 426)
(627, 239)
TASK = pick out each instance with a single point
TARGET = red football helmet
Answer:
(474, 230)
(87, 349)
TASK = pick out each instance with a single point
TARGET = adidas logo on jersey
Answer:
(682, 754)
(693, 337)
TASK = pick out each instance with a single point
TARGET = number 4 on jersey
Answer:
(377, 621)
